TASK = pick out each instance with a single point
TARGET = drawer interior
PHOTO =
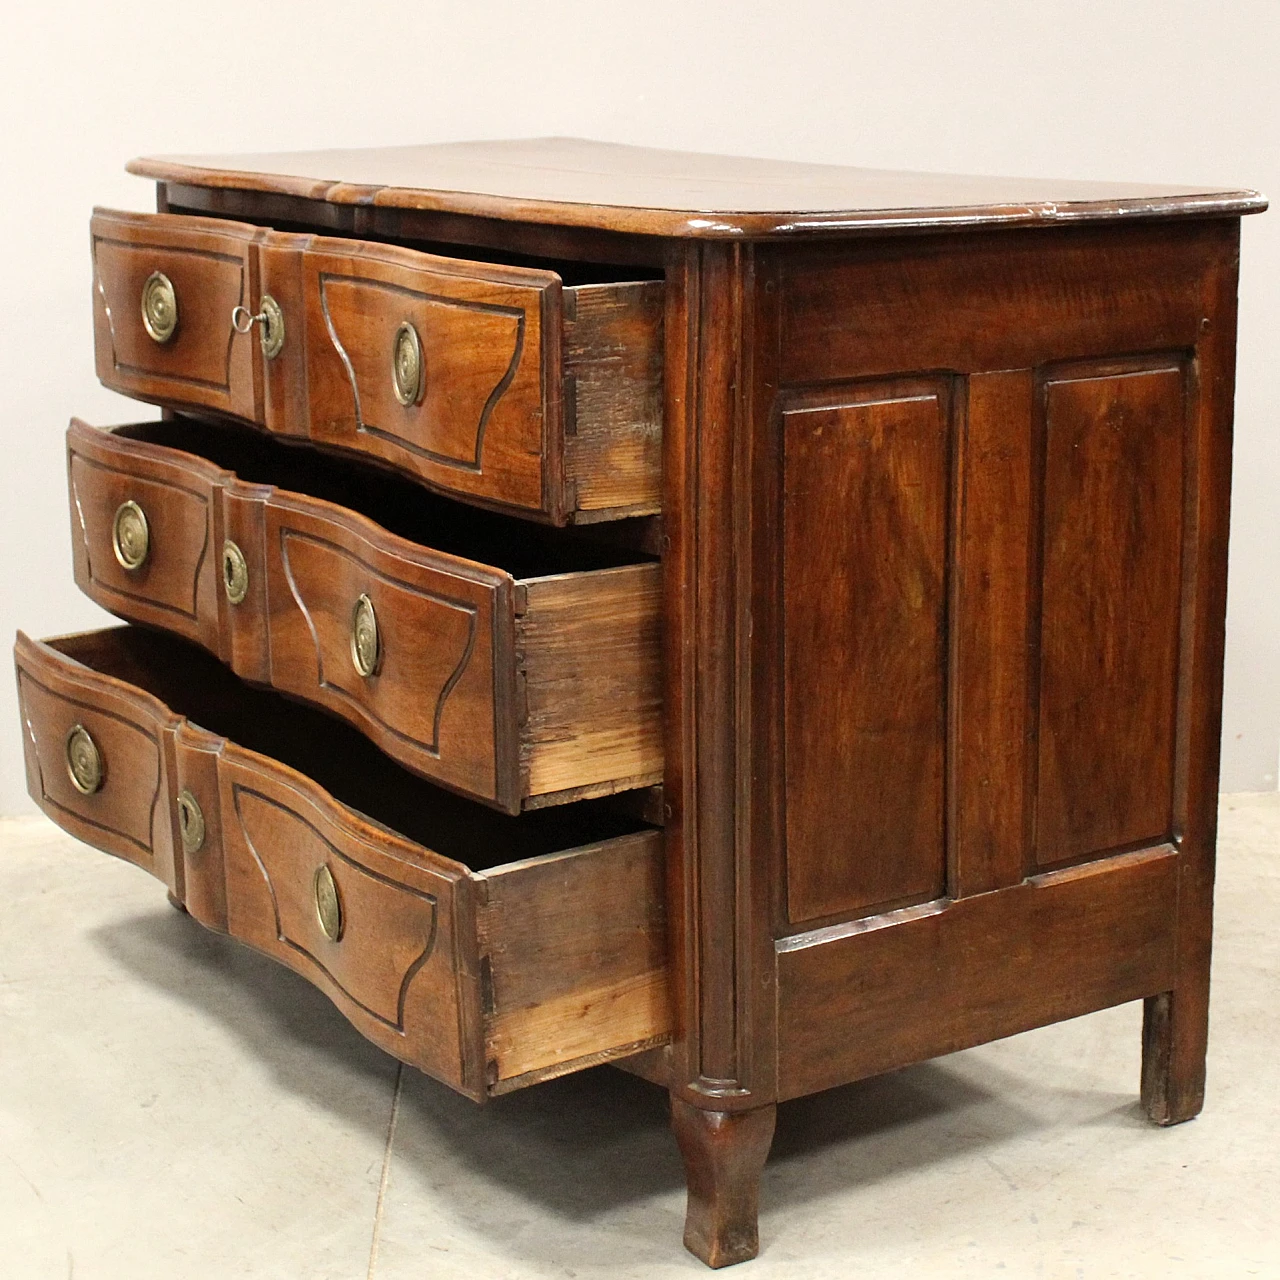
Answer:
(196, 685)
(520, 547)
(573, 272)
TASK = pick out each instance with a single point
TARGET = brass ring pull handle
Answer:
(190, 822)
(271, 318)
(130, 536)
(84, 761)
(328, 904)
(366, 644)
(408, 368)
(235, 572)
(159, 307)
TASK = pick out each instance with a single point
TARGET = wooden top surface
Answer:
(574, 182)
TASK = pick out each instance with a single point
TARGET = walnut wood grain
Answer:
(719, 640)
(945, 472)
(518, 691)
(478, 977)
(478, 429)
(213, 269)
(982, 302)
(128, 815)
(1112, 546)
(991, 718)
(607, 186)
(1067, 942)
(1176, 1023)
(866, 475)
(724, 1154)
(492, 424)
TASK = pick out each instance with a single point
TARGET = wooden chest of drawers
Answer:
(757, 623)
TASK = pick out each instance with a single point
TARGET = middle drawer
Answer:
(531, 680)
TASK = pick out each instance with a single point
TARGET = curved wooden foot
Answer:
(1175, 1033)
(177, 904)
(724, 1154)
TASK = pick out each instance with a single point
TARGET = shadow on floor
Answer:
(579, 1147)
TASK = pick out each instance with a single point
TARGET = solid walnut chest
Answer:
(758, 623)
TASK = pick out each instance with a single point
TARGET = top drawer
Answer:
(498, 384)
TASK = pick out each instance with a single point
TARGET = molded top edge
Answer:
(642, 190)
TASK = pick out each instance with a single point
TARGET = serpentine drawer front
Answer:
(487, 976)
(866, 530)
(520, 691)
(499, 384)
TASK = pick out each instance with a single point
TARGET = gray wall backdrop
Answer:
(1144, 90)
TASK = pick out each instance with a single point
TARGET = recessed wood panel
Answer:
(208, 263)
(865, 513)
(477, 426)
(168, 584)
(120, 814)
(430, 700)
(1113, 516)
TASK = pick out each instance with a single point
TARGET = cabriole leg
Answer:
(724, 1154)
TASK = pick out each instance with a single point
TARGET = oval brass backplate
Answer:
(84, 761)
(366, 645)
(272, 333)
(130, 535)
(190, 822)
(408, 369)
(235, 572)
(328, 904)
(159, 307)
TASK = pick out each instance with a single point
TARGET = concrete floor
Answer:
(174, 1106)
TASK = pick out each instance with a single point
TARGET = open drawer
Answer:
(518, 664)
(501, 384)
(488, 951)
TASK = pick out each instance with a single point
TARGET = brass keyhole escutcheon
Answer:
(328, 904)
(84, 761)
(366, 646)
(235, 572)
(272, 333)
(271, 318)
(190, 822)
(130, 535)
(408, 369)
(159, 307)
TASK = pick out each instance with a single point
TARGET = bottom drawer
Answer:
(489, 951)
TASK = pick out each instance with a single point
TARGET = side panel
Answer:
(574, 960)
(1109, 615)
(926, 980)
(1039, 847)
(864, 568)
(589, 652)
